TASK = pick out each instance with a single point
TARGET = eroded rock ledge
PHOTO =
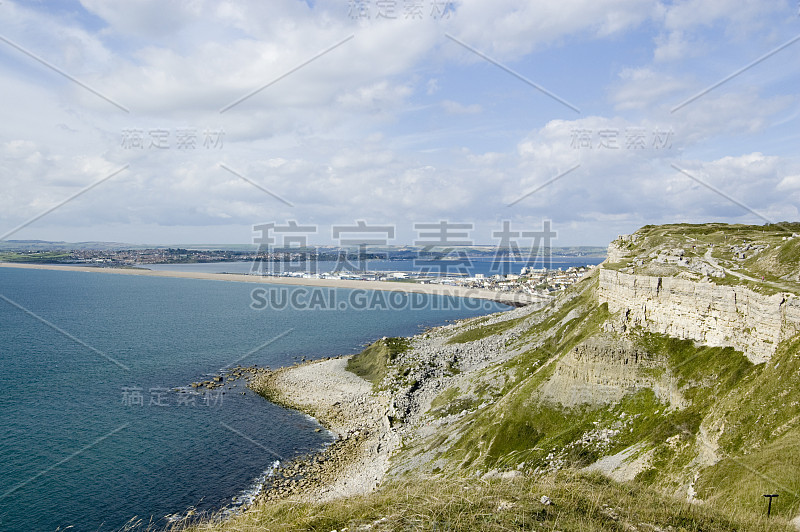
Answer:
(711, 314)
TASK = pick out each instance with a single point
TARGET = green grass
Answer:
(781, 257)
(580, 297)
(760, 445)
(43, 257)
(789, 252)
(579, 502)
(771, 468)
(758, 406)
(373, 362)
(755, 286)
(768, 406)
(452, 401)
(616, 266)
(717, 369)
(520, 427)
(483, 331)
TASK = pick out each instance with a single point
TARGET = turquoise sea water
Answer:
(92, 432)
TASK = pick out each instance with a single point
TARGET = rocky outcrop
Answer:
(616, 249)
(711, 314)
(603, 370)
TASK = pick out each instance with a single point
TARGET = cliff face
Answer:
(664, 384)
(604, 370)
(711, 314)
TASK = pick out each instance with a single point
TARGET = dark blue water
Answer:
(92, 433)
(482, 266)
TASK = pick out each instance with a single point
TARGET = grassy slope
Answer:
(757, 408)
(761, 440)
(777, 264)
(578, 503)
(759, 405)
(484, 331)
(371, 364)
(40, 257)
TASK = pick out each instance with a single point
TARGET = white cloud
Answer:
(789, 183)
(508, 29)
(683, 21)
(633, 184)
(675, 46)
(383, 127)
(687, 14)
(455, 108)
(645, 88)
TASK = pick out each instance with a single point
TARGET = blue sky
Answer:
(403, 120)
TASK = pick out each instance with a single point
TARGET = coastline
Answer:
(513, 299)
(367, 435)
(370, 426)
(357, 461)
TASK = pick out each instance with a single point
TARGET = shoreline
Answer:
(356, 462)
(370, 426)
(514, 299)
(363, 423)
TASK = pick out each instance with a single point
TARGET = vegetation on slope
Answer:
(575, 502)
(45, 257)
(760, 443)
(765, 258)
(733, 436)
(371, 364)
(476, 333)
(694, 422)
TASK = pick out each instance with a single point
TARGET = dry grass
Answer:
(579, 502)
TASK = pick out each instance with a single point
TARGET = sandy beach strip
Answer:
(510, 298)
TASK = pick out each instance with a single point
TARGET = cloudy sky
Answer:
(190, 122)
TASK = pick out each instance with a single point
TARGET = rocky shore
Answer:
(344, 404)
(370, 425)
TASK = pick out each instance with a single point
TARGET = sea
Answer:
(484, 266)
(100, 426)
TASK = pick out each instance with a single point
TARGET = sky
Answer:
(155, 122)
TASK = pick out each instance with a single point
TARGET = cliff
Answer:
(604, 370)
(713, 315)
(651, 371)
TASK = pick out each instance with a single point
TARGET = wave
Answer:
(244, 500)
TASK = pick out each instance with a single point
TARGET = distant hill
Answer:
(394, 251)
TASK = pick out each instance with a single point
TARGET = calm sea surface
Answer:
(484, 266)
(93, 430)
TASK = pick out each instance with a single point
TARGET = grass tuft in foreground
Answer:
(574, 501)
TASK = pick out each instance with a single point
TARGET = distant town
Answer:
(349, 263)
(534, 281)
